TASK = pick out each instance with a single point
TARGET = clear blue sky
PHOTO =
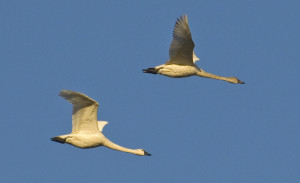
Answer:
(197, 129)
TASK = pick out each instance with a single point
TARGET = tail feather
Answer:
(59, 140)
(150, 70)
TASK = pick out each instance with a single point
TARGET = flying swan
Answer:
(86, 130)
(182, 56)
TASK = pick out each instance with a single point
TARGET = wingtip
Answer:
(64, 92)
(183, 17)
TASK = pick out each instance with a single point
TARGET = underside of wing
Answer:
(84, 116)
(182, 46)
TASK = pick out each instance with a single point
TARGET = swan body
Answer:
(86, 130)
(174, 70)
(182, 57)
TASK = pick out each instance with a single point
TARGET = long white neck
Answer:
(114, 146)
(205, 74)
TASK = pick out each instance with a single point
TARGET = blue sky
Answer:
(197, 129)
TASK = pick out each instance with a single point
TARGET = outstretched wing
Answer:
(182, 46)
(84, 116)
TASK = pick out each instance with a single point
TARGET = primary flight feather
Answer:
(86, 130)
(182, 56)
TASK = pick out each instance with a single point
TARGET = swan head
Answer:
(236, 80)
(142, 152)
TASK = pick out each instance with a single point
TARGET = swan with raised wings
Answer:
(182, 57)
(86, 130)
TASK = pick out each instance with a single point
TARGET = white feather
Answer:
(183, 58)
(87, 131)
(101, 124)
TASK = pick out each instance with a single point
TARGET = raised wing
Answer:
(182, 46)
(84, 116)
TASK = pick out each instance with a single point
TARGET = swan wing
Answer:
(195, 58)
(182, 46)
(101, 124)
(84, 116)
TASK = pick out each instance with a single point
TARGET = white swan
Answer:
(182, 56)
(86, 131)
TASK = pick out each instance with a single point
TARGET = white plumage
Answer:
(182, 57)
(86, 130)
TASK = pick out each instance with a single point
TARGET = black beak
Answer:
(150, 70)
(147, 154)
(241, 82)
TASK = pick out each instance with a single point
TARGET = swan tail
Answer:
(150, 70)
(59, 139)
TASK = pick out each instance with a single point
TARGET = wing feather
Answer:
(182, 46)
(84, 115)
(101, 124)
(195, 58)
